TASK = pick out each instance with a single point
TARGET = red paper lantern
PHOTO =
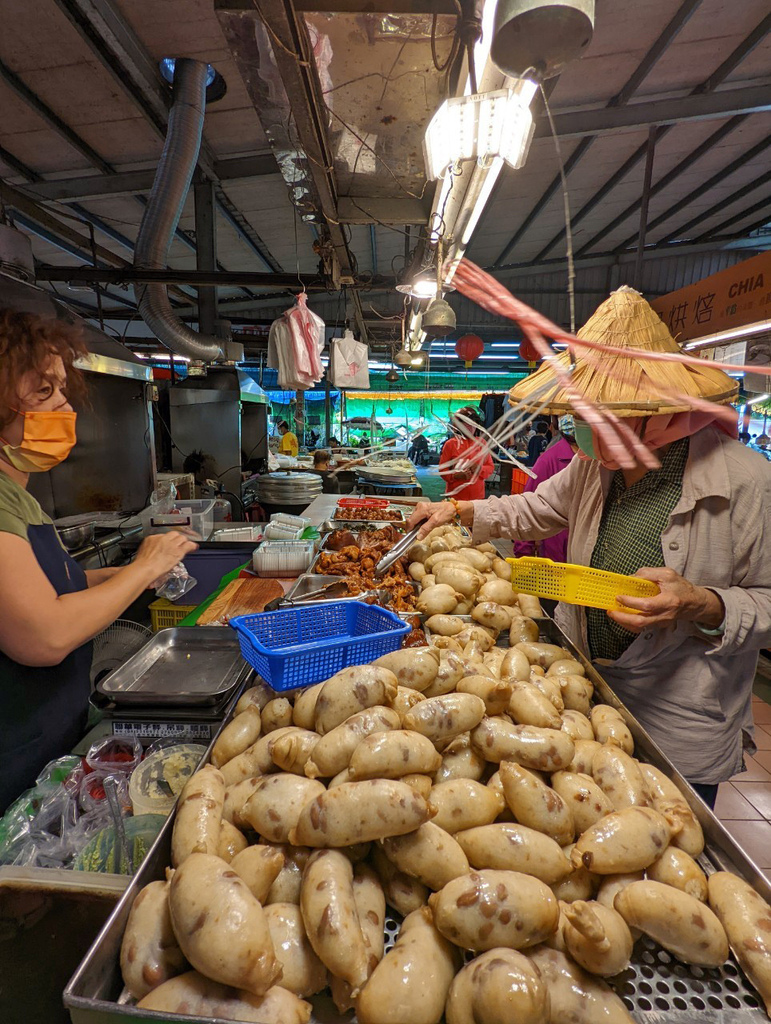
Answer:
(468, 348)
(528, 351)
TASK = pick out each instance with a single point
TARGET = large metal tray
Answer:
(181, 666)
(656, 988)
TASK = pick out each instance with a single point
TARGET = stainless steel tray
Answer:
(184, 665)
(310, 583)
(656, 988)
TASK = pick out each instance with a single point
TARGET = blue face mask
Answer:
(584, 438)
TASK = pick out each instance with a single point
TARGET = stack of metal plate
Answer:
(288, 488)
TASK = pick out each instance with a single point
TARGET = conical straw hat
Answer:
(626, 385)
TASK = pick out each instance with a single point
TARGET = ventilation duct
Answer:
(170, 188)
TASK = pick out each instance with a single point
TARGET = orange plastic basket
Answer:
(519, 480)
(577, 584)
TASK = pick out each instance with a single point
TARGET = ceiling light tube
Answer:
(481, 127)
(711, 340)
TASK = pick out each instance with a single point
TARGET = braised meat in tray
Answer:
(355, 556)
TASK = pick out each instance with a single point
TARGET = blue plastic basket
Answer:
(296, 647)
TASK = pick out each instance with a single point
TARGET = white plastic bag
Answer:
(349, 363)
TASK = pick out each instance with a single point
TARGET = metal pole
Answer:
(327, 409)
(206, 253)
(650, 152)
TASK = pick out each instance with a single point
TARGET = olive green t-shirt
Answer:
(18, 509)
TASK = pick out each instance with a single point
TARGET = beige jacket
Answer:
(691, 692)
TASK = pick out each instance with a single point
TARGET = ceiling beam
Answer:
(101, 25)
(52, 119)
(121, 52)
(377, 209)
(196, 278)
(736, 165)
(273, 29)
(717, 208)
(659, 47)
(717, 77)
(362, 6)
(721, 73)
(129, 183)
(22, 204)
(669, 110)
(764, 204)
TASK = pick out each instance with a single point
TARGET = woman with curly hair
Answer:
(50, 609)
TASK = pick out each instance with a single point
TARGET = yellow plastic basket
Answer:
(576, 584)
(165, 614)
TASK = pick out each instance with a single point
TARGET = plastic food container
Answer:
(196, 514)
(159, 779)
(576, 584)
(301, 646)
(279, 559)
(92, 795)
(113, 755)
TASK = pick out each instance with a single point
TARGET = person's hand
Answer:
(162, 551)
(677, 600)
(431, 514)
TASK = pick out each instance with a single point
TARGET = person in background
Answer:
(364, 441)
(557, 457)
(418, 449)
(537, 444)
(459, 482)
(321, 459)
(50, 608)
(333, 443)
(289, 444)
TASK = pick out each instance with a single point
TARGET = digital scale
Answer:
(186, 724)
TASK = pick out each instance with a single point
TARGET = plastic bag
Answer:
(175, 584)
(163, 497)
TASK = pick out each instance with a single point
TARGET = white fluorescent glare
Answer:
(757, 398)
(481, 201)
(481, 127)
(735, 332)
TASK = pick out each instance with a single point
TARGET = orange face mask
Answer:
(48, 439)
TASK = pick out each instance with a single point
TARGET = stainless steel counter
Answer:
(656, 988)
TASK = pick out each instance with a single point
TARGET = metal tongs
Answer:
(396, 552)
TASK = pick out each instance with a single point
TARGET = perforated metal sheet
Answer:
(658, 989)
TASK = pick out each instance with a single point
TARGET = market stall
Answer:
(458, 798)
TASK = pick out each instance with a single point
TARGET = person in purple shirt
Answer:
(556, 457)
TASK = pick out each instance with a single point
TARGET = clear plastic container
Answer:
(196, 514)
(114, 754)
(281, 559)
(92, 795)
(158, 781)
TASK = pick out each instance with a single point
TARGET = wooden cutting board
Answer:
(241, 597)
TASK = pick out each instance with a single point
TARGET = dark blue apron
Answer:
(43, 710)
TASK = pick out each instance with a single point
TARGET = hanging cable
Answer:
(566, 206)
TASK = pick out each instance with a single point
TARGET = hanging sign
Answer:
(731, 298)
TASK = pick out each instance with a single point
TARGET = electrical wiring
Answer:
(566, 206)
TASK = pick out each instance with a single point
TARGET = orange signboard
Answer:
(731, 298)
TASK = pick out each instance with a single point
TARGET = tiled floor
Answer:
(744, 803)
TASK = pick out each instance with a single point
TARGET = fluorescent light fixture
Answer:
(162, 355)
(722, 336)
(452, 355)
(483, 44)
(481, 127)
(481, 201)
(757, 398)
